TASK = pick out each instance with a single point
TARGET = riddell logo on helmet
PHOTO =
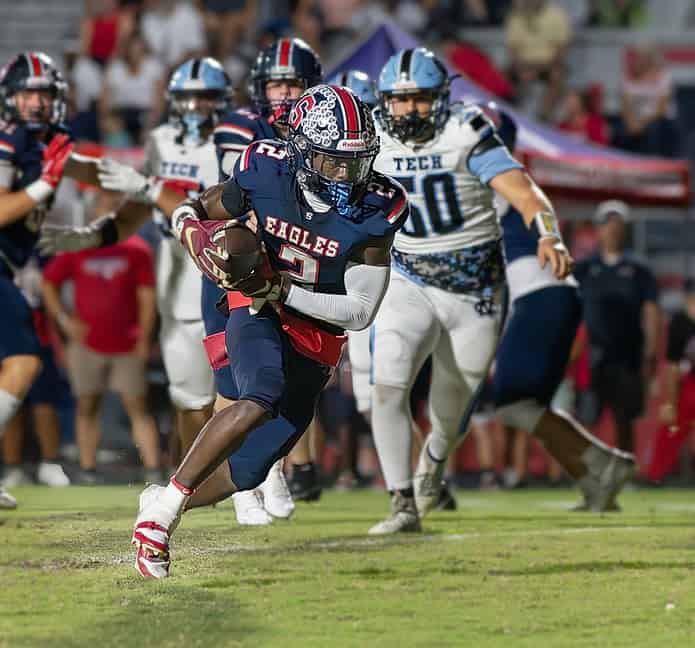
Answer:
(353, 145)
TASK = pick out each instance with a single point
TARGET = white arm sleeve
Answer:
(365, 286)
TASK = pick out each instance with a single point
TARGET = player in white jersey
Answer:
(181, 161)
(444, 298)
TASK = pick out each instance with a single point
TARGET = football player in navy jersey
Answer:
(280, 73)
(34, 147)
(529, 367)
(326, 221)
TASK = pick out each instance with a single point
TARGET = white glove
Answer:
(120, 177)
(56, 238)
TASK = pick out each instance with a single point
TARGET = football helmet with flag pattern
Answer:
(332, 145)
(32, 71)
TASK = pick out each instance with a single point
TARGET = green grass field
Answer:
(505, 570)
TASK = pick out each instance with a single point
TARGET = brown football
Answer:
(244, 251)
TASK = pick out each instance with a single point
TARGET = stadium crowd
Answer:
(98, 321)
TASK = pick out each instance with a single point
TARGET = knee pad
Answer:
(523, 414)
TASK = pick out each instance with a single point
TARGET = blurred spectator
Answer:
(134, 87)
(109, 337)
(114, 133)
(42, 400)
(677, 413)
(173, 30)
(85, 79)
(104, 28)
(579, 119)
(450, 14)
(227, 22)
(623, 319)
(538, 35)
(618, 14)
(648, 109)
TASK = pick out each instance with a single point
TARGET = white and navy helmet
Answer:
(32, 71)
(332, 144)
(196, 78)
(412, 71)
(360, 83)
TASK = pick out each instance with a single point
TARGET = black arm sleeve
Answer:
(234, 199)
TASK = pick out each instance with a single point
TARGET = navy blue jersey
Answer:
(313, 248)
(21, 155)
(519, 241)
(236, 130)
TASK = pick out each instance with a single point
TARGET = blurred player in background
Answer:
(42, 400)
(445, 296)
(327, 221)
(530, 366)
(34, 147)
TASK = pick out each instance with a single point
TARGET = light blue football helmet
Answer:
(413, 71)
(195, 80)
(360, 83)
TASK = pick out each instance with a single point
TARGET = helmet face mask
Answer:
(332, 145)
(32, 92)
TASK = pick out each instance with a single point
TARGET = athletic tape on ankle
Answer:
(179, 486)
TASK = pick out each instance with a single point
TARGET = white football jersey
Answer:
(194, 169)
(450, 208)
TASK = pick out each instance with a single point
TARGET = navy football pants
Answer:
(536, 345)
(266, 369)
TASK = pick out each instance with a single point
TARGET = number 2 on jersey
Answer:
(443, 213)
(305, 267)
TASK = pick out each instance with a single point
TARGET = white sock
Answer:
(9, 405)
(393, 437)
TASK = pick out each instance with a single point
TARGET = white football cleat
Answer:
(599, 489)
(427, 481)
(277, 499)
(52, 474)
(248, 506)
(7, 501)
(151, 534)
(403, 518)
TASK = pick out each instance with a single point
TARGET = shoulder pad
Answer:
(237, 128)
(473, 119)
(261, 158)
(389, 202)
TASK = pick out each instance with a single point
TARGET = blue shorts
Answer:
(17, 334)
(265, 368)
(215, 322)
(536, 345)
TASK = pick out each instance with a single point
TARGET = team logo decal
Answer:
(318, 121)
